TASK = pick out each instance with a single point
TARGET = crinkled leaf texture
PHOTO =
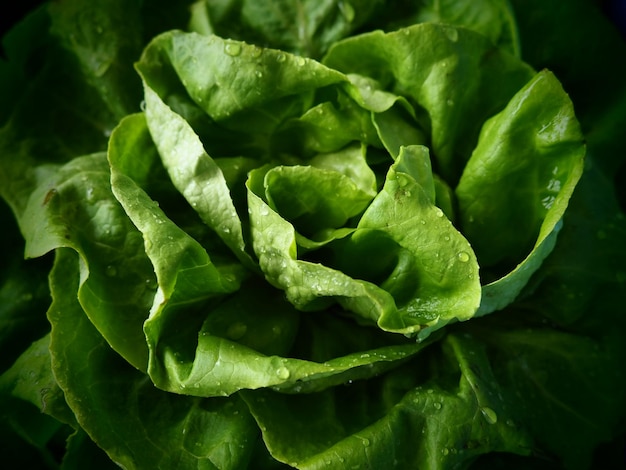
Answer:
(136, 424)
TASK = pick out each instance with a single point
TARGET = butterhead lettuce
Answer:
(304, 234)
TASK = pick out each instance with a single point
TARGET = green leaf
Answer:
(31, 379)
(303, 27)
(33, 407)
(233, 75)
(308, 286)
(105, 40)
(492, 18)
(377, 422)
(135, 423)
(558, 381)
(73, 206)
(441, 283)
(328, 127)
(313, 198)
(427, 63)
(542, 177)
(194, 173)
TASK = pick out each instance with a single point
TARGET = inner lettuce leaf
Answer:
(305, 28)
(188, 280)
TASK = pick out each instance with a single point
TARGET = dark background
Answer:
(614, 9)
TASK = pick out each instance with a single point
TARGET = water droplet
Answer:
(490, 416)
(452, 33)
(237, 330)
(232, 49)
(438, 212)
(463, 257)
(300, 61)
(283, 373)
(264, 210)
(142, 105)
(280, 57)
(111, 271)
(445, 451)
(437, 405)
(258, 74)
(365, 441)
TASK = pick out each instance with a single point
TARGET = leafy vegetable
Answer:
(311, 234)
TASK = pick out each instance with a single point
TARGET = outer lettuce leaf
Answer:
(492, 18)
(585, 272)
(137, 425)
(224, 77)
(104, 39)
(73, 206)
(306, 28)
(31, 379)
(426, 63)
(553, 381)
(33, 408)
(24, 294)
(376, 423)
(537, 180)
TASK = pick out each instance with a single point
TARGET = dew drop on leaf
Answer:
(232, 49)
(452, 33)
(490, 416)
(283, 373)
